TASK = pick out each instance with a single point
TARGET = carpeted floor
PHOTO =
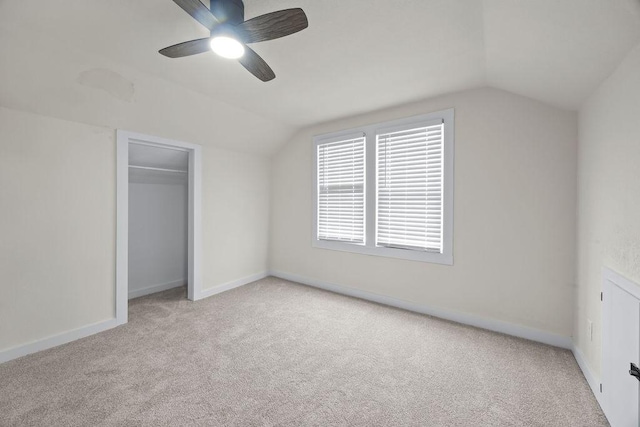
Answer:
(277, 353)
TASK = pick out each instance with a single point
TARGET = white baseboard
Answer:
(455, 316)
(205, 293)
(593, 382)
(135, 293)
(56, 340)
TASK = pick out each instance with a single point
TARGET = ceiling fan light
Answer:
(227, 47)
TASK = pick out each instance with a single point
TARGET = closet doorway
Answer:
(158, 217)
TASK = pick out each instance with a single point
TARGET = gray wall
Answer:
(157, 236)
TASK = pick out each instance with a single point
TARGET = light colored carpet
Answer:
(277, 353)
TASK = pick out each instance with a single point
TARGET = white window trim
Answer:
(369, 248)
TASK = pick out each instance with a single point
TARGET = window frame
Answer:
(370, 195)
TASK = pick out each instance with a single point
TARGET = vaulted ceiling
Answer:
(97, 61)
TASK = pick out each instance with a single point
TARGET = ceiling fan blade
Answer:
(192, 47)
(256, 65)
(199, 12)
(273, 25)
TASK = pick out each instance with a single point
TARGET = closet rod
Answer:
(157, 169)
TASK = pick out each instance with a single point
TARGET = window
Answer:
(387, 189)
(341, 190)
(409, 202)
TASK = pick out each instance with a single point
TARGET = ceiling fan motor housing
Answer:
(228, 11)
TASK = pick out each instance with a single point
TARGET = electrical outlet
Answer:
(590, 329)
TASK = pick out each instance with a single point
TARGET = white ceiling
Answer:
(97, 61)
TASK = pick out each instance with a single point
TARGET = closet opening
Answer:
(158, 192)
(158, 218)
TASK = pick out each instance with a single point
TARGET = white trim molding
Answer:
(194, 246)
(608, 275)
(442, 313)
(56, 340)
(232, 285)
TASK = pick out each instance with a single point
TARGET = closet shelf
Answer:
(157, 169)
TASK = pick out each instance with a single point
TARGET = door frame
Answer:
(194, 215)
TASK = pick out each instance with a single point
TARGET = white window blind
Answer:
(409, 187)
(341, 201)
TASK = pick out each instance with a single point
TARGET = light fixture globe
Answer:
(227, 47)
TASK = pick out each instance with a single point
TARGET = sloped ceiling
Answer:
(97, 62)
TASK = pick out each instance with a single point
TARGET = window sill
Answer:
(407, 254)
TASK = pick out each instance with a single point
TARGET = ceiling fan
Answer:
(230, 33)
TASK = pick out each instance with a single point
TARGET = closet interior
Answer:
(158, 221)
